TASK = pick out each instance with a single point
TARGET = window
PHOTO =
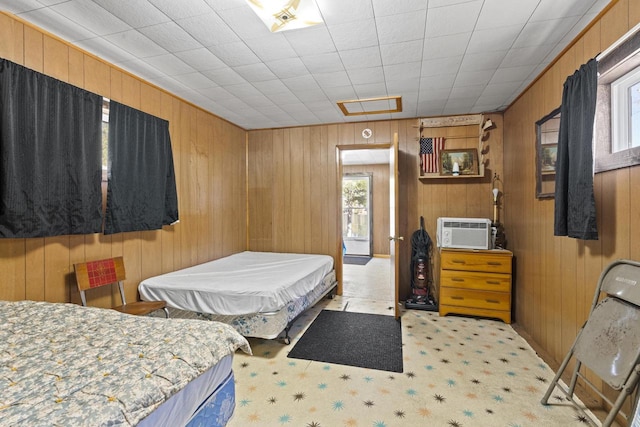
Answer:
(625, 111)
(617, 128)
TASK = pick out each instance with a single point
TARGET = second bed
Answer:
(258, 293)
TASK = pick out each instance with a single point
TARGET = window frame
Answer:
(622, 58)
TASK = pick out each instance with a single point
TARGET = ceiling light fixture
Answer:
(280, 15)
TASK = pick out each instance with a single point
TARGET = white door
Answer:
(394, 224)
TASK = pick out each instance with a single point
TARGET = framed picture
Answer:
(459, 162)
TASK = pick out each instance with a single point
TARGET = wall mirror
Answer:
(546, 154)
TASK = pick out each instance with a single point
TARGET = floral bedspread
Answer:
(67, 365)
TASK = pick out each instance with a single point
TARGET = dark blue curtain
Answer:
(50, 156)
(141, 188)
(575, 208)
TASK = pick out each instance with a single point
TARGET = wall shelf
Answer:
(472, 119)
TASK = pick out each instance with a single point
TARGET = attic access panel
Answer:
(362, 107)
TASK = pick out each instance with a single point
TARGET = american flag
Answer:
(430, 154)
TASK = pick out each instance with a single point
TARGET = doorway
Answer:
(365, 224)
(357, 215)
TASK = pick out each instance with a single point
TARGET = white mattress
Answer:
(243, 283)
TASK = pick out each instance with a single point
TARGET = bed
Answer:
(259, 293)
(63, 364)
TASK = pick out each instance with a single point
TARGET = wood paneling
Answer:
(556, 276)
(209, 159)
(304, 180)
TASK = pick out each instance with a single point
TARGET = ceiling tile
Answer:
(201, 59)
(136, 43)
(195, 80)
(91, 16)
(441, 81)
(286, 68)
(463, 92)
(526, 56)
(544, 32)
(301, 83)
(310, 40)
(401, 53)
(505, 11)
(244, 21)
(402, 71)
(332, 79)
(440, 19)
(340, 12)
(340, 93)
(386, 7)
(136, 13)
(182, 9)
(141, 68)
(243, 90)
(271, 48)
(171, 37)
(200, 29)
(363, 76)
(511, 74)
(361, 58)
(234, 54)
(170, 64)
(270, 86)
(255, 72)
(553, 9)
(401, 28)
(323, 63)
(482, 61)
(445, 46)
(370, 90)
(105, 50)
(58, 24)
(19, 7)
(354, 35)
(469, 78)
(435, 67)
(224, 76)
(500, 38)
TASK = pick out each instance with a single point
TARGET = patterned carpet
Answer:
(458, 372)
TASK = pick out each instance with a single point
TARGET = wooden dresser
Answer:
(476, 282)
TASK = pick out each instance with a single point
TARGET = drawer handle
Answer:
(457, 279)
(493, 282)
(493, 301)
(460, 298)
(458, 261)
(494, 263)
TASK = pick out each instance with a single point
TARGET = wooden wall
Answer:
(556, 276)
(294, 189)
(379, 202)
(209, 157)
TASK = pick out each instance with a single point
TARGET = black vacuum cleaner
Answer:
(422, 297)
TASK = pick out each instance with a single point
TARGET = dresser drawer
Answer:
(475, 280)
(475, 299)
(472, 261)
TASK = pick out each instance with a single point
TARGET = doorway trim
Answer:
(339, 149)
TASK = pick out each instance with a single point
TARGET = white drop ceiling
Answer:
(444, 57)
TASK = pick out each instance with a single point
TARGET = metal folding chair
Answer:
(609, 342)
